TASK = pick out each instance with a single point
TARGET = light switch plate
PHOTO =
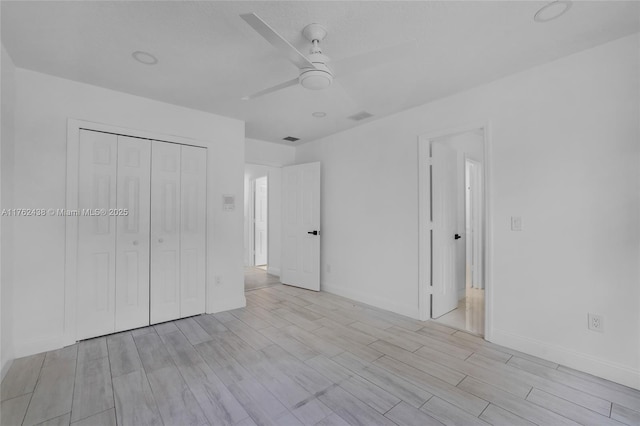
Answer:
(516, 223)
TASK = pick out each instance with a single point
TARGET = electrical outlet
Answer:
(596, 323)
(328, 268)
(218, 280)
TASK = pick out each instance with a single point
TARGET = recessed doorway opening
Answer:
(453, 229)
(262, 226)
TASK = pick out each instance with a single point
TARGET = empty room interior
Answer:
(320, 213)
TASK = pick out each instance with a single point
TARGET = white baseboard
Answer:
(568, 357)
(227, 304)
(5, 367)
(378, 302)
(273, 271)
(33, 347)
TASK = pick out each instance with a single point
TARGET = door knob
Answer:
(161, 240)
(313, 232)
(457, 236)
(135, 243)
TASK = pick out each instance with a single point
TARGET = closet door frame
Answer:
(74, 127)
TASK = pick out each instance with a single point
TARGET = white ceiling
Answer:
(209, 58)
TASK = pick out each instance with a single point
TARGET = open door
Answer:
(444, 208)
(301, 226)
(260, 222)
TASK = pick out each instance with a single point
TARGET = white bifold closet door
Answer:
(96, 234)
(132, 230)
(178, 209)
(146, 265)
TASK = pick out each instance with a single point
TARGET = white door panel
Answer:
(444, 205)
(261, 222)
(165, 232)
(132, 249)
(96, 234)
(301, 217)
(193, 205)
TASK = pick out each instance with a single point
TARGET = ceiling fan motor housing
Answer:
(317, 78)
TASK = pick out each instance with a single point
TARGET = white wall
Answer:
(7, 136)
(44, 103)
(565, 156)
(274, 195)
(268, 153)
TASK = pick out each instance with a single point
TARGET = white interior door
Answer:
(165, 232)
(96, 234)
(193, 230)
(260, 221)
(132, 248)
(444, 207)
(301, 226)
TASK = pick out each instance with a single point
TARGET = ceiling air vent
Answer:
(360, 116)
(290, 139)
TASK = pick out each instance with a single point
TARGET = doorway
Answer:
(453, 229)
(260, 223)
(262, 208)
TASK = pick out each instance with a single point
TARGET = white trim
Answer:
(568, 357)
(424, 250)
(273, 271)
(37, 346)
(226, 304)
(5, 369)
(367, 298)
(251, 218)
(71, 224)
(479, 233)
(266, 164)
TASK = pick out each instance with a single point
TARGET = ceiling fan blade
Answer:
(262, 28)
(366, 60)
(272, 89)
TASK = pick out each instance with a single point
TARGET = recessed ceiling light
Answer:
(144, 57)
(319, 114)
(551, 11)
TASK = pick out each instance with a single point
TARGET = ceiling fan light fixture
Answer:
(315, 79)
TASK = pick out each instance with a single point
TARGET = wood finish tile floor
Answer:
(294, 357)
(256, 277)
(469, 315)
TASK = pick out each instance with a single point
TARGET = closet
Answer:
(141, 232)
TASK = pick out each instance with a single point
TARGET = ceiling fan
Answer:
(314, 73)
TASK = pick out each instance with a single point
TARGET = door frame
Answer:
(425, 226)
(71, 204)
(252, 219)
(478, 234)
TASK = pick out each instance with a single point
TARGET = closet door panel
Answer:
(193, 204)
(96, 234)
(165, 231)
(132, 248)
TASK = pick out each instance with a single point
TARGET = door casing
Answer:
(256, 206)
